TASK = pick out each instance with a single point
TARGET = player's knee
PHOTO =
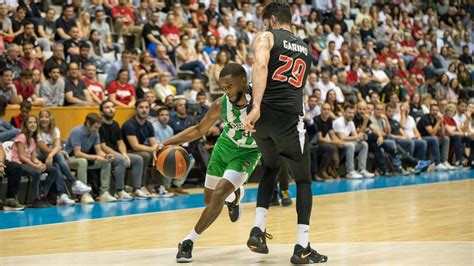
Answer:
(219, 195)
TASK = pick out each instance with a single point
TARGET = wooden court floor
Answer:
(393, 225)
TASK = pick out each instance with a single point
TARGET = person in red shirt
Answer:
(122, 93)
(124, 22)
(454, 132)
(171, 31)
(25, 110)
(28, 61)
(352, 76)
(25, 89)
(423, 55)
(93, 86)
(418, 70)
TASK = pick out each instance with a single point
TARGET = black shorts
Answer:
(280, 133)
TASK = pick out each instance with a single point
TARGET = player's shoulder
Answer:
(216, 105)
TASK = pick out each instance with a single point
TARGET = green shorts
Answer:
(237, 161)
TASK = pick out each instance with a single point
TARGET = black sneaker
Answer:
(185, 250)
(275, 201)
(307, 256)
(285, 198)
(40, 204)
(234, 207)
(258, 241)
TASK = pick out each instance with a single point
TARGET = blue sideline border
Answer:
(55, 215)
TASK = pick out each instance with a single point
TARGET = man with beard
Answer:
(233, 158)
(139, 136)
(111, 141)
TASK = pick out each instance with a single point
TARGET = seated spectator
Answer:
(455, 134)
(6, 29)
(326, 55)
(28, 36)
(57, 60)
(345, 130)
(162, 130)
(187, 58)
(65, 23)
(25, 89)
(112, 143)
(84, 25)
(25, 110)
(143, 86)
(202, 56)
(395, 87)
(7, 131)
(336, 36)
(429, 127)
(85, 151)
(72, 45)
(11, 61)
(28, 61)
(50, 151)
(325, 85)
(24, 153)
(150, 97)
(47, 26)
(164, 88)
(84, 57)
(213, 73)
(17, 19)
(148, 66)
(13, 172)
(76, 91)
(125, 62)
(124, 22)
(212, 47)
(349, 91)
(336, 108)
(7, 88)
(465, 57)
(166, 65)
(170, 31)
(139, 137)
(201, 99)
(152, 33)
(94, 87)
(456, 91)
(226, 28)
(122, 93)
(100, 25)
(197, 87)
(52, 89)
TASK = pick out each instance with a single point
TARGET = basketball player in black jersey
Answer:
(282, 63)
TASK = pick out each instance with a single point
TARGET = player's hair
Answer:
(233, 69)
(280, 9)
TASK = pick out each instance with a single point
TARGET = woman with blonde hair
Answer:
(84, 25)
(163, 88)
(454, 133)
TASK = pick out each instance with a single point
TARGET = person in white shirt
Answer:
(226, 28)
(345, 130)
(325, 85)
(336, 36)
(461, 117)
(379, 74)
(326, 55)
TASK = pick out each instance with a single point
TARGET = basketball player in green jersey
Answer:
(234, 156)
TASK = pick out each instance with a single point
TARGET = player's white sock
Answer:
(260, 216)
(303, 234)
(192, 236)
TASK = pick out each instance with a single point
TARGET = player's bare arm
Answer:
(262, 46)
(200, 129)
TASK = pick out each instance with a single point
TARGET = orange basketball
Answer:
(172, 161)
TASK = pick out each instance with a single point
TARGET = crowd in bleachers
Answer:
(391, 80)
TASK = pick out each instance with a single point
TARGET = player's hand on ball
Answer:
(252, 118)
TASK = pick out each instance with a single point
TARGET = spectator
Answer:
(25, 110)
(112, 143)
(152, 33)
(170, 31)
(84, 25)
(465, 57)
(313, 107)
(248, 65)
(17, 20)
(196, 88)
(25, 89)
(213, 73)
(72, 45)
(349, 91)
(13, 172)
(65, 23)
(456, 91)
(226, 28)
(139, 137)
(124, 20)
(100, 25)
(28, 36)
(76, 91)
(336, 108)
(455, 133)
(85, 151)
(28, 61)
(211, 48)
(57, 60)
(336, 36)
(202, 55)
(229, 46)
(52, 89)
(99, 51)
(47, 26)
(326, 55)
(187, 58)
(430, 127)
(345, 130)
(125, 62)
(94, 87)
(6, 29)
(7, 131)
(395, 87)
(166, 65)
(24, 153)
(11, 61)
(162, 130)
(8, 89)
(50, 151)
(122, 93)
(325, 85)
(84, 57)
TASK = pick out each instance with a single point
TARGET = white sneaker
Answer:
(366, 173)
(123, 196)
(80, 188)
(448, 166)
(139, 194)
(87, 199)
(106, 197)
(354, 175)
(65, 200)
(440, 167)
(163, 193)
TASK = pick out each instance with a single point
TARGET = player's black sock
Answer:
(265, 188)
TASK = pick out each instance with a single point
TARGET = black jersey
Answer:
(288, 68)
